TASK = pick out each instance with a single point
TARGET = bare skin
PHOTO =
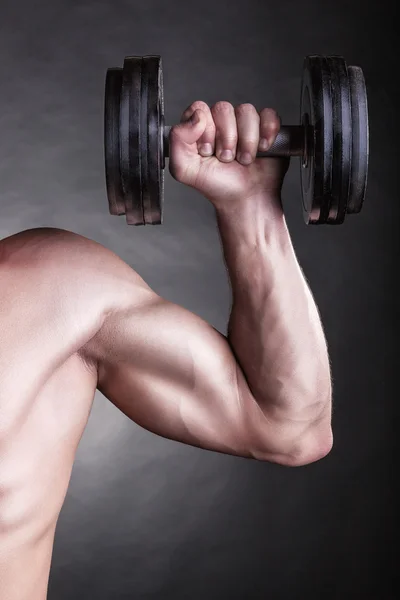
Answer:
(74, 317)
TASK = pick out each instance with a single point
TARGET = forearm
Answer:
(274, 329)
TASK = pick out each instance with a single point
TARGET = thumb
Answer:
(190, 131)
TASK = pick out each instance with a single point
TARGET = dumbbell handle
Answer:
(290, 141)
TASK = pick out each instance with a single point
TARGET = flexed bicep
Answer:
(175, 375)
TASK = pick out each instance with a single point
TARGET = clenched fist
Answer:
(214, 150)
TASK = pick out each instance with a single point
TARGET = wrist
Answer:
(256, 220)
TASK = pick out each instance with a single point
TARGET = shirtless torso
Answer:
(74, 317)
(46, 392)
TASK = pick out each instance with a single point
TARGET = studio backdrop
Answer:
(149, 518)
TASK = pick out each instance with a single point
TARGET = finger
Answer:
(226, 133)
(206, 143)
(248, 126)
(190, 131)
(270, 124)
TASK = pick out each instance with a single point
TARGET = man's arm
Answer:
(263, 392)
(274, 329)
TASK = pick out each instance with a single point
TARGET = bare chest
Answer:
(46, 393)
(37, 337)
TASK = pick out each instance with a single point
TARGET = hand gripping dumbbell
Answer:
(331, 140)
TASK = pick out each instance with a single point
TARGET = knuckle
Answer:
(223, 107)
(270, 124)
(226, 137)
(199, 104)
(270, 114)
(245, 109)
(249, 142)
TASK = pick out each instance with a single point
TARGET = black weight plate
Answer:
(152, 107)
(316, 114)
(342, 139)
(359, 171)
(111, 142)
(130, 139)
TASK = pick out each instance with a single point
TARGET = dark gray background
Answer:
(149, 518)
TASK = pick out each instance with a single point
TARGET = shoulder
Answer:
(68, 274)
(66, 256)
(44, 244)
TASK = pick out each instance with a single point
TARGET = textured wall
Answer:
(149, 518)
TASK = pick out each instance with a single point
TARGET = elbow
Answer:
(310, 440)
(291, 446)
(298, 454)
(292, 433)
(309, 451)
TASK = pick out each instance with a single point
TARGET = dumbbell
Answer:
(331, 140)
